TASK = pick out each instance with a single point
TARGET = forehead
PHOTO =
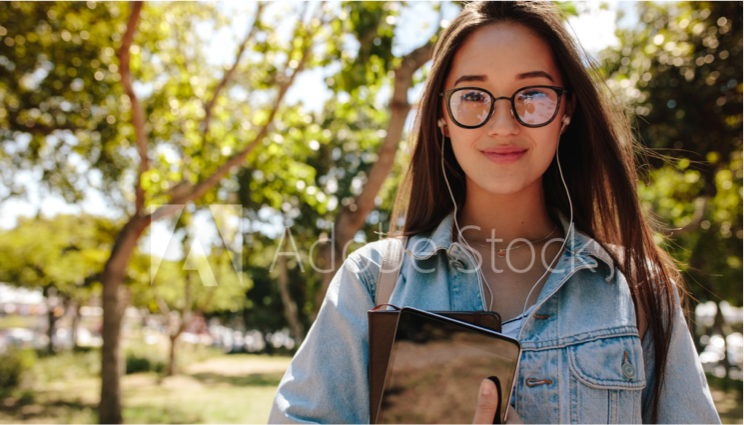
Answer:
(501, 52)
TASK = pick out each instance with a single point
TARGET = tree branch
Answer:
(209, 107)
(201, 188)
(400, 107)
(138, 113)
(186, 310)
(352, 217)
(210, 294)
(162, 305)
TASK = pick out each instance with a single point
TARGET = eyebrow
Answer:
(535, 74)
(468, 78)
(522, 76)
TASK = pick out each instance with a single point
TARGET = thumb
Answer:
(488, 401)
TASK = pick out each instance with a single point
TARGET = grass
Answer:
(18, 321)
(225, 389)
(236, 388)
(729, 406)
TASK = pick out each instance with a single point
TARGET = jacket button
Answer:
(629, 371)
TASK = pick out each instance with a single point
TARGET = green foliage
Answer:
(14, 364)
(172, 282)
(372, 23)
(136, 364)
(60, 90)
(307, 168)
(568, 8)
(65, 252)
(680, 70)
(330, 154)
(142, 357)
(296, 163)
(66, 365)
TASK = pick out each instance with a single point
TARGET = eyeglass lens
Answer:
(534, 105)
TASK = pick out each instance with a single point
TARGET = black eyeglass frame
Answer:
(560, 91)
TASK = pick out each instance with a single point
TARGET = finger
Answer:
(487, 404)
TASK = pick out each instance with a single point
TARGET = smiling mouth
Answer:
(504, 157)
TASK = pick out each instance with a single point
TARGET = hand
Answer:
(487, 404)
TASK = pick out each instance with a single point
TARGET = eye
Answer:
(473, 96)
(531, 94)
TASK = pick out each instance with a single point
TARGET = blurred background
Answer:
(171, 175)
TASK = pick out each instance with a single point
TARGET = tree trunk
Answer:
(718, 324)
(268, 347)
(50, 292)
(351, 218)
(290, 306)
(75, 306)
(172, 354)
(126, 241)
(51, 328)
(113, 310)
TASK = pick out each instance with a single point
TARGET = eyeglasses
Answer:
(532, 106)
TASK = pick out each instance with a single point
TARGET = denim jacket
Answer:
(582, 359)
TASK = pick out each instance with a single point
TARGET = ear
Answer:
(442, 124)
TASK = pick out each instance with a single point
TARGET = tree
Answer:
(184, 188)
(348, 170)
(370, 22)
(680, 70)
(353, 162)
(125, 100)
(181, 296)
(60, 96)
(172, 142)
(65, 263)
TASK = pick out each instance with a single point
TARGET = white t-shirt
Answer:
(512, 326)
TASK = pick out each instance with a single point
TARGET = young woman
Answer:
(520, 198)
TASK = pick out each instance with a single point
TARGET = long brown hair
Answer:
(599, 166)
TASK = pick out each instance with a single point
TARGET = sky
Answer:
(594, 28)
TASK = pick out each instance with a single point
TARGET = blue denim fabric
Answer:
(582, 359)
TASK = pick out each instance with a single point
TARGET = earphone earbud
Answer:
(441, 122)
(564, 122)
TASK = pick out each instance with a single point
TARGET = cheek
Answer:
(546, 157)
(545, 140)
(462, 145)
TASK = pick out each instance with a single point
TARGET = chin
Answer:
(503, 188)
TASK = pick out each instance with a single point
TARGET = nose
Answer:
(502, 122)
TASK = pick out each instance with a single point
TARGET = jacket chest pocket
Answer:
(606, 380)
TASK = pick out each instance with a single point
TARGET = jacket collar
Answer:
(579, 243)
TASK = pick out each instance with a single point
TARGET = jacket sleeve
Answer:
(685, 396)
(326, 381)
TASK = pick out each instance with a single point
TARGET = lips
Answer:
(504, 154)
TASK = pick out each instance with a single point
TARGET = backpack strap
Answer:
(390, 269)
